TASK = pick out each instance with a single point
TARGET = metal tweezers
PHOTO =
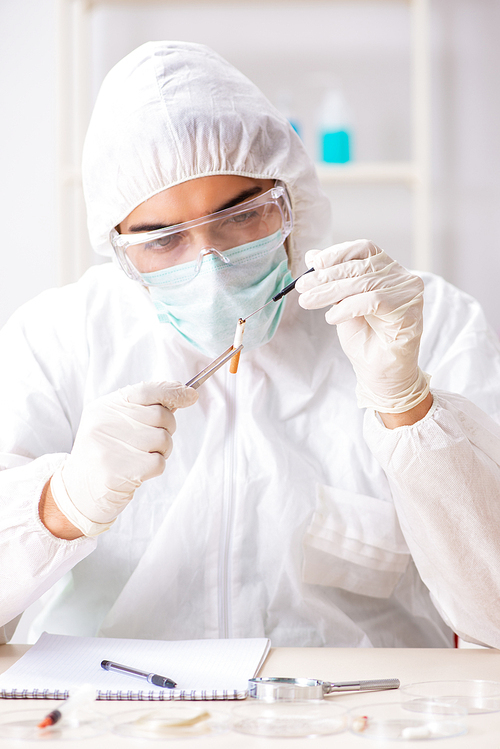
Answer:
(200, 378)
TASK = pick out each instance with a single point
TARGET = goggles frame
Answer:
(277, 195)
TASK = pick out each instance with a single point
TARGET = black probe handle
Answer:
(290, 286)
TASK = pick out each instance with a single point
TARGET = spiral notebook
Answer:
(202, 669)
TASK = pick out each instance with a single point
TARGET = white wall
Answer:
(467, 147)
(362, 45)
(27, 151)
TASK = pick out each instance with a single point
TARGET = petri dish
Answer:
(289, 719)
(476, 696)
(170, 721)
(392, 721)
(23, 725)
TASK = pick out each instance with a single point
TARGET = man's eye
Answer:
(163, 243)
(242, 218)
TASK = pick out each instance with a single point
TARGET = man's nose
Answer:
(201, 238)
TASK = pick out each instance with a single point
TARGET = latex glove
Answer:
(123, 439)
(377, 307)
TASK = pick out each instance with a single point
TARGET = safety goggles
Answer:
(187, 244)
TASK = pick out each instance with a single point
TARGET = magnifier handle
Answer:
(359, 686)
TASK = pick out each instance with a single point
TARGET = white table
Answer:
(408, 665)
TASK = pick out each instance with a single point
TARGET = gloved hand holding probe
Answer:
(123, 439)
(377, 307)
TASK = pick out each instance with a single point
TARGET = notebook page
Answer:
(60, 662)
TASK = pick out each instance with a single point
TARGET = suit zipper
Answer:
(225, 627)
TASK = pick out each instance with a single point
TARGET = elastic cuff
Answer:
(66, 506)
(405, 401)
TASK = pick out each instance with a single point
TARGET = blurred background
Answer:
(396, 100)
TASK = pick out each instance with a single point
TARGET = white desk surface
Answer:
(408, 665)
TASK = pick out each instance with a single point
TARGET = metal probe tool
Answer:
(232, 352)
(280, 294)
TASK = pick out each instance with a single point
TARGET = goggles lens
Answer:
(268, 214)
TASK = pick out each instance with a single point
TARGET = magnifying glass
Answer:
(273, 688)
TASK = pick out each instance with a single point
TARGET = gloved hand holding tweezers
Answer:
(124, 438)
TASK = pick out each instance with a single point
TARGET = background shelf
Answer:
(357, 172)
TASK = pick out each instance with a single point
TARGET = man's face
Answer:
(185, 202)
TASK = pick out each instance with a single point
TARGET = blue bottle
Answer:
(335, 129)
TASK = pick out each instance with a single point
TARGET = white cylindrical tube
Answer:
(238, 338)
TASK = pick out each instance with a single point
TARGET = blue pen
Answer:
(156, 679)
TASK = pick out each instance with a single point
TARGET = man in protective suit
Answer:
(342, 489)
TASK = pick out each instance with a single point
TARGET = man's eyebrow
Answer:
(240, 198)
(140, 228)
(244, 195)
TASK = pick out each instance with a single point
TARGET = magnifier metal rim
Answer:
(273, 688)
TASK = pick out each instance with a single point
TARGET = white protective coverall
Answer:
(284, 510)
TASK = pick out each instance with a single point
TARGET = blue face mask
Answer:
(206, 310)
